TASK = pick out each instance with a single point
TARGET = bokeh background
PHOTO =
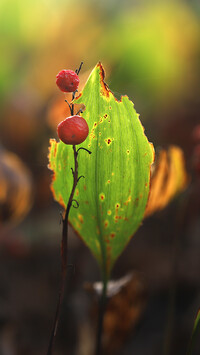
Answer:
(151, 52)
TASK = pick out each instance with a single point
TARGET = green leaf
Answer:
(113, 196)
(195, 331)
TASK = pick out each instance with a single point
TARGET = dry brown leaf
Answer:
(15, 188)
(126, 302)
(169, 178)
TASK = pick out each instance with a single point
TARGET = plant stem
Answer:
(101, 312)
(64, 243)
(64, 255)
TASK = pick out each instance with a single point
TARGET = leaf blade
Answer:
(113, 197)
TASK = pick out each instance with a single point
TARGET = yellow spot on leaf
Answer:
(127, 201)
(80, 217)
(78, 225)
(92, 136)
(109, 140)
(106, 223)
(97, 244)
(102, 196)
(116, 219)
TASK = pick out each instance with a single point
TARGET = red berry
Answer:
(73, 130)
(67, 80)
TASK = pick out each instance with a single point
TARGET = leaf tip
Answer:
(105, 91)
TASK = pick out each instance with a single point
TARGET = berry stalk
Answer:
(64, 254)
(64, 242)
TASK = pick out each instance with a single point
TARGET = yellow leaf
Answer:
(169, 178)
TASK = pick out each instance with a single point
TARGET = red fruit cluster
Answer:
(67, 80)
(73, 130)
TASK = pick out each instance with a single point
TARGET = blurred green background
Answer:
(151, 48)
(150, 51)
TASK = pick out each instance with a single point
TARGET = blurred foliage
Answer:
(169, 178)
(152, 49)
(151, 52)
(126, 301)
(16, 190)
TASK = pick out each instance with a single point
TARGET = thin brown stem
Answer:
(64, 255)
(64, 241)
(79, 69)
